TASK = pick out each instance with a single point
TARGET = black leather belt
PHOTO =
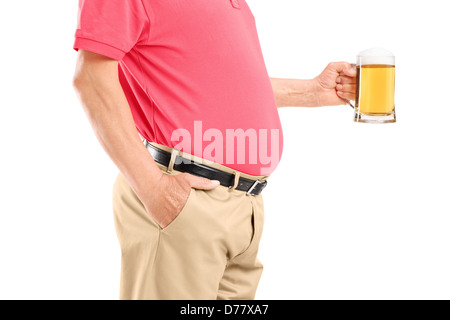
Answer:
(252, 187)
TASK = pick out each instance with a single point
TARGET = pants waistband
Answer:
(207, 162)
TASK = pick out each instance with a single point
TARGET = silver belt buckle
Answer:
(263, 184)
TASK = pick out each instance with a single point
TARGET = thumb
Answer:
(344, 67)
(202, 183)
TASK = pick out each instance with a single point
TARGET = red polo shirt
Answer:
(194, 76)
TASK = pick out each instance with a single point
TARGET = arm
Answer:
(97, 84)
(335, 83)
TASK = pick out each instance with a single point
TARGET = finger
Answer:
(343, 67)
(202, 183)
(348, 88)
(350, 71)
(346, 80)
(346, 95)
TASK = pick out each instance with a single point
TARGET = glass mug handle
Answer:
(348, 101)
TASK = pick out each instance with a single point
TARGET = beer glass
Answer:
(375, 87)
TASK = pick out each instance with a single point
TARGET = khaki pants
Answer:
(208, 252)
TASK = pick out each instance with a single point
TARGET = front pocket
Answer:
(182, 212)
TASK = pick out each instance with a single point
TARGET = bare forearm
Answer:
(110, 117)
(333, 87)
(295, 92)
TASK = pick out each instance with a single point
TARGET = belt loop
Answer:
(173, 156)
(237, 175)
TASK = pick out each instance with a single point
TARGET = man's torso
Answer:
(198, 82)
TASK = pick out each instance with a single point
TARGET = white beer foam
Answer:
(375, 56)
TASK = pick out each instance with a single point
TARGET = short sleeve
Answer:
(111, 27)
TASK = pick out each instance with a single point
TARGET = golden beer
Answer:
(375, 88)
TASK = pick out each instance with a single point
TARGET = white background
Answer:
(354, 211)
